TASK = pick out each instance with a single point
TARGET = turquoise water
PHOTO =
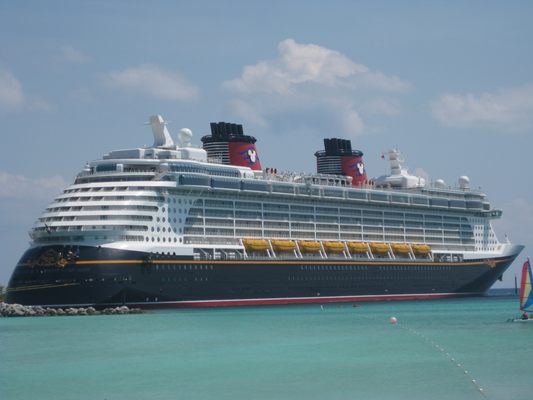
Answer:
(287, 352)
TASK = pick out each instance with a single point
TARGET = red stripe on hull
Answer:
(308, 300)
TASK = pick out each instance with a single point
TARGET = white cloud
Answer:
(246, 111)
(308, 63)
(382, 106)
(73, 55)
(316, 83)
(13, 97)
(21, 187)
(510, 109)
(11, 93)
(154, 81)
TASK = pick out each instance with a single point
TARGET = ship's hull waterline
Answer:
(101, 277)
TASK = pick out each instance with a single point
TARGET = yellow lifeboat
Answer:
(357, 247)
(334, 247)
(421, 248)
(403, 248)
(283, 245)
(379, 247)
(309, 246)
(255, 244)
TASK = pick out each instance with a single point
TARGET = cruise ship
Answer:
(176, 225)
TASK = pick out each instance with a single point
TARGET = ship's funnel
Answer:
(229, 145)
(338, 158)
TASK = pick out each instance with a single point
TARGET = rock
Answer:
(18, 310)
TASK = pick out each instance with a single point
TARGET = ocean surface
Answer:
(440, 349)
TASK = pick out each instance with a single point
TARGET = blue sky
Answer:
(449, 83)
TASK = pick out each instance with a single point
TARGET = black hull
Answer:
(55, 276)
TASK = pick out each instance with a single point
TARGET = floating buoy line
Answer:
(395, 322)
(446, 354)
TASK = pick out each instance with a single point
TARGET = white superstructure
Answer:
(170, 199)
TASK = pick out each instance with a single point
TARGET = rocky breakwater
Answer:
(18, 310)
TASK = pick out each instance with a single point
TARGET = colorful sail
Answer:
(526, 295)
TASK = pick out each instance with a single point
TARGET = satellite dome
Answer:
(439, 183)
(464, 182)
(185, 137)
